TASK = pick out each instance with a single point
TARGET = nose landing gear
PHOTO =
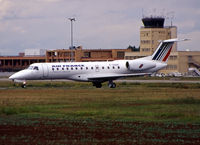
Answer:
(23, 85)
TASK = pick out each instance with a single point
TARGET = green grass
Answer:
(130, 101)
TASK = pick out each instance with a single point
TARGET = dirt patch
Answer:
(49, 131)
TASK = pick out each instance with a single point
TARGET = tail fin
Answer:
(163, 51)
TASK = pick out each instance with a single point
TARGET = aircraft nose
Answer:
(19, 75)
(11, 77)
(14, 76)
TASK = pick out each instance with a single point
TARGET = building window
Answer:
(172, 57)
(146, 33)
(171, 67)
(87, 54)
(120, 54)
(145, 49)
(161, 32)
(67, 54)
(145, 41)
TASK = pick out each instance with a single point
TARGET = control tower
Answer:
(152, 32)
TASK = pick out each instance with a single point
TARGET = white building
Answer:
(35, 52)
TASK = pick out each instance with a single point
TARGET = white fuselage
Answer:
(99, 72)
(88, 71)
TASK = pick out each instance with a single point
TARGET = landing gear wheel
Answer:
(111, 85)
(23, 85)
(114, 85)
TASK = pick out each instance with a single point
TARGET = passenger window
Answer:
(91, 67)
(108, 67)
(118, 67)
(86, 67)
(53, 69)
(57, 68)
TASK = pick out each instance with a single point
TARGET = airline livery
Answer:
(98, 72)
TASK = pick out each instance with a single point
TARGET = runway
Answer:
(130, 81)
(158, 81)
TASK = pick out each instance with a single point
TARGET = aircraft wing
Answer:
(107, 77)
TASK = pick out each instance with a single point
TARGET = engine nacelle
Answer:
(140, 65)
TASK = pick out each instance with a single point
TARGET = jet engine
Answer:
(140, 65)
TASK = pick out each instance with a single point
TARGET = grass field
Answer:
(133, 112)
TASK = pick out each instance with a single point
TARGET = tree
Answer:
(133, 48)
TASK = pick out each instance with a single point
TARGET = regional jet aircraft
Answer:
(98, 72)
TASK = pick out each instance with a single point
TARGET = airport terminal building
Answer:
(23, 60)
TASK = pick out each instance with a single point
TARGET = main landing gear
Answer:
(111, 84)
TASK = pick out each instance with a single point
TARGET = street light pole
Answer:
(72, 46)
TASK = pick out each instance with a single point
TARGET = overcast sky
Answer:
(44, 24)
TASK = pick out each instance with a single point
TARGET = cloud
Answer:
(5, 7)
(99, 24)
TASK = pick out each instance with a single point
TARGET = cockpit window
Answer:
(30, 67)
(36, 68)
(33, 68)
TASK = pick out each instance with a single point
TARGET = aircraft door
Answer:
(45, 70)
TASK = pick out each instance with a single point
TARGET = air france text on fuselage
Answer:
(53, 66)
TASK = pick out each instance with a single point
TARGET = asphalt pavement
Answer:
(133, 81)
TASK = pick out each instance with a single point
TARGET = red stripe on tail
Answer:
(167, 55)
